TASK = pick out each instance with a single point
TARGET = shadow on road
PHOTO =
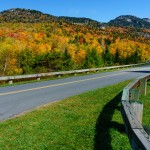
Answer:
(102, 137)
(141, 71)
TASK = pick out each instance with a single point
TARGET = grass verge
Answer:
(85, 122)
(146, 108)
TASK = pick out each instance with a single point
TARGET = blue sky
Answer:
(100, 10)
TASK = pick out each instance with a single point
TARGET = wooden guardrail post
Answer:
(10, 82)
(59, 76)
(74, 74)
(38, 78)
(134, 95)
(136, 104)
(138, 109)
(143, 86)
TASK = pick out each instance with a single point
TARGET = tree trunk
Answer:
(5, 66)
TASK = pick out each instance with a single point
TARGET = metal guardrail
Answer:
(132, 110)
(10, 79)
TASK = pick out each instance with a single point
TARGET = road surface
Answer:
(19, 98)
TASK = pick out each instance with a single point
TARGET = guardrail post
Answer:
(59, 76)
(134, 95)
(38, 78)
(143, 86)
(136, 104)
(10, 82)
(125, 95)
(138, 109)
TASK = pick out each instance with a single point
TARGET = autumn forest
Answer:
(50, 45)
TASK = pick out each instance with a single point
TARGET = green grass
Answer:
(90, 121)
(146, 108)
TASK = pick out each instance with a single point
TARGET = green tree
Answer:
(54, 60)
(27, 61)
(92, 59)
(134, 58)
(67, 60)
(117, 57)
(89, 62)
(107, 57)
(96, 59)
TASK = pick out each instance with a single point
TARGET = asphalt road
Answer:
(19, 98)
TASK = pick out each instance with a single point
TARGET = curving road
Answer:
(19, 98)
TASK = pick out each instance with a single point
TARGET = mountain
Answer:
(130, 21)
(24, 15)
(81, 21)
(32, 16)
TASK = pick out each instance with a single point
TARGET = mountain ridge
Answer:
(130, 21)
(33, 16)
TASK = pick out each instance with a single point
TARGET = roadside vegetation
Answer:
(87, 121)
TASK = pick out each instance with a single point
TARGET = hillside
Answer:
(33, 42)
(33, 16)
(24, 15)
(130, 21)
(81, 21)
